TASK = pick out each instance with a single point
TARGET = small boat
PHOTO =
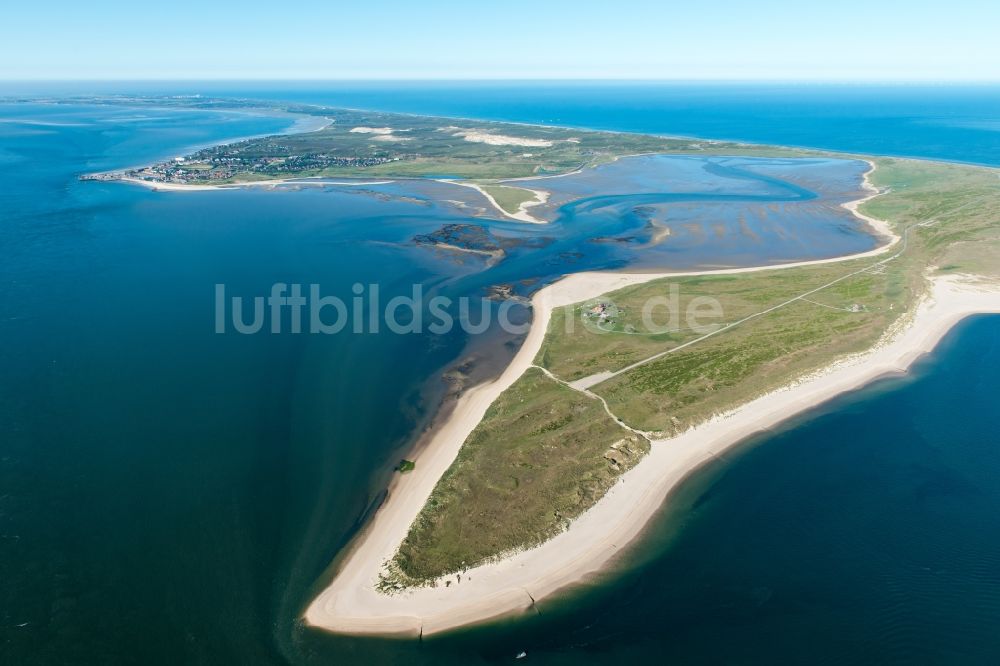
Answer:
(521, 655)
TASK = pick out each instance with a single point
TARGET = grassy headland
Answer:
(539, 457)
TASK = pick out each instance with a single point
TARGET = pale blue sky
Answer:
(722, 39)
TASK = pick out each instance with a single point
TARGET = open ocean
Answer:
(169, 495)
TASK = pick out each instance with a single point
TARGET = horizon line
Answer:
(383, 79)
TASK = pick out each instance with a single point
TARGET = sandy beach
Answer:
(187, 187)
(881, 227)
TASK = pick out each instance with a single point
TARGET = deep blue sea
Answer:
(169, 494)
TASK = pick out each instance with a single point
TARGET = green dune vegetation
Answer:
(547, 451)
(576, 350)
(542, 455)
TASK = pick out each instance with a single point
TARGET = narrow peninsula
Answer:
(541, 478)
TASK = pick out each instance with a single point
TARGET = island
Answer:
(540, 479)
(492, 159)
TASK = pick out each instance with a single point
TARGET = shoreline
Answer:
(158, 186)
(351, 604)
(881, 227)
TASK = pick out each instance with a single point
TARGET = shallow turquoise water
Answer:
(168, 495)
